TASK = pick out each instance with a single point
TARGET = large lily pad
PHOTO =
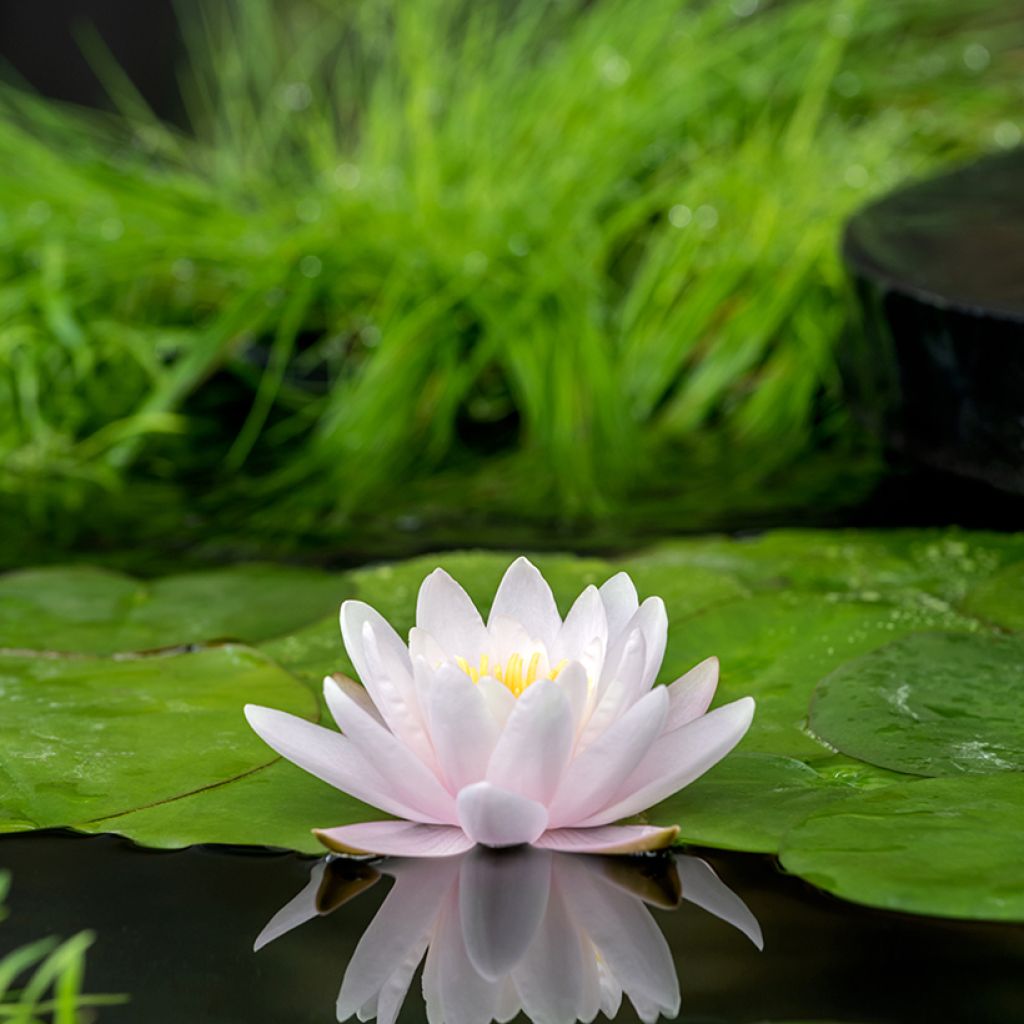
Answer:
(278, 806)
(776, 646)
(749, 801)
(936, 846)
(84, 738)
(929, 704)
(95, 611)
(1000, 599)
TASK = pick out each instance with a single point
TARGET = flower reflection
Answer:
(557, 936)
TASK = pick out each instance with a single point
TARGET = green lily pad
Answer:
(928, 704)
(1000, 599)
(949, 847)
(277, 806)
(776, 646)
(85, 738)
(94, 611)
(748, 802)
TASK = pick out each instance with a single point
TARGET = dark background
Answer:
(39, 41)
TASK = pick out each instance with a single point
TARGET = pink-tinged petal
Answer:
(620, 602)
(573, 682)
(652, 621)
(608, 839)
(408, 913)
(502, 898)
(462, 728)
(395, 839)
(388, 1003)
(422, 646)
(298, 910)
(613, 755)
(390, 684)
(621, 927)
(704, 889)
(496, 817)
(584, 634)
(524, 596)
(447, 613)
(405, 774)
(354, 615)
(330, 757)
(690, 695)
(358, 694)
(550, 976)
(619, 691)
(536, 743)
(501, 702)
(676, 759)
(466, 997)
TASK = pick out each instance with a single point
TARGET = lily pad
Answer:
(277, 806)
(94, 611)
(776, 646)
(85, 738)
(949, 847)
(928, 704)
(747, 802)
(1000, 599)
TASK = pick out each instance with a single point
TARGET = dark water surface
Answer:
(176, 931)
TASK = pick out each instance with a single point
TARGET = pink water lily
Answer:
(523, 729)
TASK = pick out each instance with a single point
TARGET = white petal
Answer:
(501, 701)
(703, 888)
(625, 934)
(549, 978)
(495, 817)
(407, 914)
(393, 992)
(466, 996)
(502, 897)
(462, 728)
(524, 596)
(596, 772)
(446, 612)
(395, 839)
(422, 646)
(652, 621)
(620, 602)
(354, 615)
(608, 839)
(330, 757)
(358, 693)
(405, 774)
(574, 683)
(677, 758)
(585, 623)
(390, 684)
(620, 690)
(536, 743)
(298, 910)
(690, 695)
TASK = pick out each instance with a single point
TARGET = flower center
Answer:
(516, 674)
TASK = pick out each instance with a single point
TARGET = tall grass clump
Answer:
(542, 261)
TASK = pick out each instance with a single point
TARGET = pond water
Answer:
(176, 932)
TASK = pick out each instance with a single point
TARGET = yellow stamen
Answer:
(512, 674)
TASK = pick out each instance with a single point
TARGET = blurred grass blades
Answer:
(51, 975)
(542, 250)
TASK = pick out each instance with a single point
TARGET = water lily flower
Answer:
(525, 729)
(558, 936)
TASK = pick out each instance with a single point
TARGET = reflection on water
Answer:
(557, 936)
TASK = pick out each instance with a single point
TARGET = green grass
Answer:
(42, 982)
(552, 264)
